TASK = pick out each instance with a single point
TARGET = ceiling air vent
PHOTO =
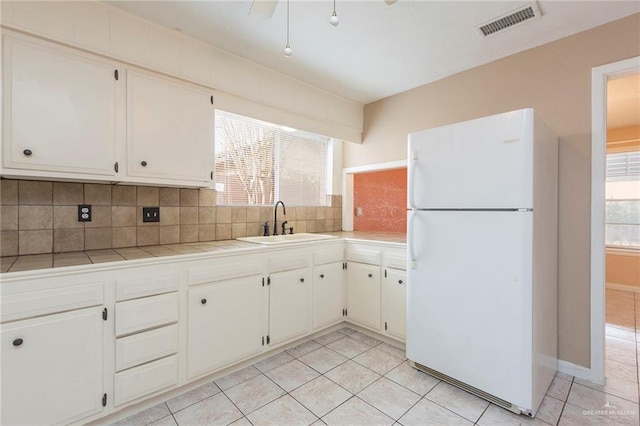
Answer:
(510, 19)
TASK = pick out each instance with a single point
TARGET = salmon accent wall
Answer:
(382, 196)
(623, 269)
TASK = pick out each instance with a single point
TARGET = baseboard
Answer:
(623, 287)
(572, 369)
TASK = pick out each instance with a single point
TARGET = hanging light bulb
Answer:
(334, 16)
(287, 49)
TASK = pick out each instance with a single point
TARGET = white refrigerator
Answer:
(482, 253)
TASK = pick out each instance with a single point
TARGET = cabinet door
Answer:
(59, 110)
(328, 294)
(289, 305)
(363, 294)
(225, 323)
(394, 295)
(169, 129)
(52, 368)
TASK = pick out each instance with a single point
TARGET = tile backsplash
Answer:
(42, 217)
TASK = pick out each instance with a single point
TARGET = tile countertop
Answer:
(57, 260)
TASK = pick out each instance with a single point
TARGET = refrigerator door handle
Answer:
(412, 172)
(412, 254)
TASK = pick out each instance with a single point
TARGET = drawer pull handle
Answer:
(321, 275)
(143, 163)
(17, 342)
(203, 301)
(27, 152)
(370, 275)
(301, 280)
(399, 281)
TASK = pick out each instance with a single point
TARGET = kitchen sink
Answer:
(286, 239)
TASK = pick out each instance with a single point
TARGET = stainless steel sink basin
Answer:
(286, 239)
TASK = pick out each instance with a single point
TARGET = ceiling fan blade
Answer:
(263, 9)
(390, 2)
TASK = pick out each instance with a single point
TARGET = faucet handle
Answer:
(284, 227)
(291, 231)
(266, 229)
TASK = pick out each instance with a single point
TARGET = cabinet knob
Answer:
(301, 280)
(399, 281)
(143, 163)
(203, 301)
(370, 275)
(27, 152)
(17, 342)
(321, 275)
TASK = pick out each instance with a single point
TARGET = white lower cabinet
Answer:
(224, 323)
(289, 305)
(52, 368)
(328, 294)
(140, 381)
(363, 294)
(394, 295)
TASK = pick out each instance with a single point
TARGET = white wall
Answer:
(242, 86)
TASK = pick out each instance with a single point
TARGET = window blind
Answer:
(259, 163)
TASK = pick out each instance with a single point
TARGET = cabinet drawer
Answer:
(35, 303)
(148, 286)
(144, 347)
(287, 261)
(226, 269)
(140, 381)
(322, 257)
(371, 257)
(396, 261)
(148, 312)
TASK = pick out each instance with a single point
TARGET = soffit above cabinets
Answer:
(377, 50)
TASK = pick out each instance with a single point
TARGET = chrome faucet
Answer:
(275, 216)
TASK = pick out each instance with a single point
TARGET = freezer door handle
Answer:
(412, 254)
(412, 172)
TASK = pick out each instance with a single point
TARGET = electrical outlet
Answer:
(151, 214)
(84, 212)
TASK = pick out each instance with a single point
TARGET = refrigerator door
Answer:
(479, 164)
(469, 299)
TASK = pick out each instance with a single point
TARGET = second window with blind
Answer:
(259, 163)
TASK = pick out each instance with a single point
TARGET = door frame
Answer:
(599, 77)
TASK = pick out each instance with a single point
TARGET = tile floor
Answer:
(348, 378)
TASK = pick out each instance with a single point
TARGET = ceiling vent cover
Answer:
(526, 13)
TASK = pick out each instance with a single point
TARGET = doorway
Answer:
(605, 317)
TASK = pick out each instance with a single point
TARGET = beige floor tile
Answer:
(273, 362)
(619, 371)
(323, 359)
(620, 350)
(591, 399)
(621, 388)
(347, 330)
(303, 349)
(435, 414)
(392, 350)
(356, 412)
(415, 380)
(320, 395)
(365, 338)
(460, 402)
(254, 393)
(348, 347)
(145, 417)
(497, 416)
(215, 410)
(550, 410)
(292, 375)
(378, 361)
(577, 416)
(283, 411)
(564, 376)
(325, 339)
(241, 422)
(191, 397)
(389, 397)
(559, 389)
(352, 376)
(165, 421)
(238, 377)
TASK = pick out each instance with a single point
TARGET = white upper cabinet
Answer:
(59, 111)
(170, 129)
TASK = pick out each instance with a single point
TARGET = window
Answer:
(623, 200)
(259, 163)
